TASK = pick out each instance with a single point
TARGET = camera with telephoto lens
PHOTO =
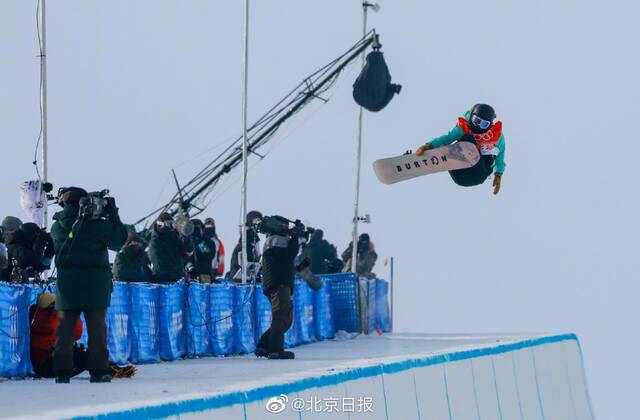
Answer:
(96, 205)
(278, 225)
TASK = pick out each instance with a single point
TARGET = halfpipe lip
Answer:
(305, 380)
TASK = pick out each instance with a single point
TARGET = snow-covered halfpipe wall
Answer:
(533, 378)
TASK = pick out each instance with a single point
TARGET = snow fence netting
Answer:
(303, 312)
(344, 302)
(383, 319)
(14, 330)
(244, 337)
(147, 320)
(118, 324)
(323, 316)
(221, 309)
(370, 287)
(198, 326)
(144, 322)
(172, 303)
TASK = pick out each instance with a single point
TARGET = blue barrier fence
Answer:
(198, 320)
(147, 323)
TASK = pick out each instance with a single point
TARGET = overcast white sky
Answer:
(137, 88)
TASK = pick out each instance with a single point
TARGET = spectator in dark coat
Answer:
(168, 250)
(367, 257)
(10, 225)
(322, 255)
(204, 253)
(253, 250)
(132, 263)
(31, 250)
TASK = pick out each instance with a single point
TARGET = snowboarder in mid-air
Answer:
(477, 127)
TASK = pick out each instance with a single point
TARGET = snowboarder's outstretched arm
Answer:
(454, 135)
(450, 137)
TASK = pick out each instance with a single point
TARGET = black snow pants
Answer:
(282, 317)
(476, 174)
(97, 353)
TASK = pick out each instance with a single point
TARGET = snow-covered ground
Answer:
(201, 378)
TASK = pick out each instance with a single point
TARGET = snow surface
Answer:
(186, 379)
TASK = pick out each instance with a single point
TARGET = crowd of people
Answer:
(162, 254)
(173, 248)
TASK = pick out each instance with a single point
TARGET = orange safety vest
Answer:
(487, 140)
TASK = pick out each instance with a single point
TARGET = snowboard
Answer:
(458, 155)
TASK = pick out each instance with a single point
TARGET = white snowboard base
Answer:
(459, 155)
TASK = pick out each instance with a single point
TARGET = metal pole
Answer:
(391, 281)
(354, 249)
(43, 100)
(243, 264)
(363, 295)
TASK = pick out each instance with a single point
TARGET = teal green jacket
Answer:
(455, 134)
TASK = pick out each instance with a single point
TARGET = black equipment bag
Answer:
(373, 89)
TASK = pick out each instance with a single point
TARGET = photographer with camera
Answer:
(200, 265)
(323, 255)
(31, 251)
(9, 227)
(83, 232)
(132, 263)
(367, 257)
(170, 246)
(253, 247)
(278, 270)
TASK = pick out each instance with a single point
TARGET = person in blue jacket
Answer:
(477, 127)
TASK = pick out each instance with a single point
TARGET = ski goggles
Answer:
(480, 122)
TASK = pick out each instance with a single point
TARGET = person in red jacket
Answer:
(44, 321)
(43, 318)
(210, 232)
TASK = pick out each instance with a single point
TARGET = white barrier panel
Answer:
(539, 378)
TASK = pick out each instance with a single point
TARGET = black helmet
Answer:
(484, 111)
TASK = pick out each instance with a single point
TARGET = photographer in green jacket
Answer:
(83, 232)
(169, 248)
(132, 263)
